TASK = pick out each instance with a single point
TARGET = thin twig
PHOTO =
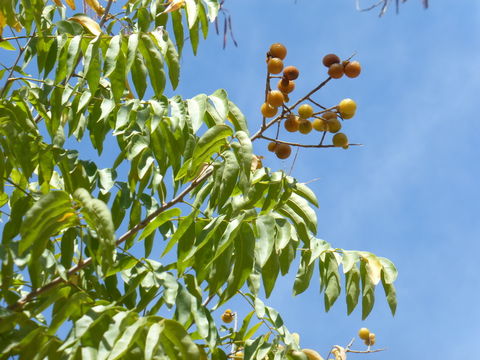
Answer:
(304, 145)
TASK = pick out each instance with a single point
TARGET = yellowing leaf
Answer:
(88, 23)
(374, 268)
(65, 216)
(95, 5)
(3, 22)
(58, 2)
(174, 5)
(71, 3)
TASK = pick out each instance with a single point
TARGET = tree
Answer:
(182, 183)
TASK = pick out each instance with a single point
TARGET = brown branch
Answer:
(31, 295)
(303, 145)
(106, 13)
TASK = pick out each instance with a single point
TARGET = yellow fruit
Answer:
(283, 151)
(275, 98)
(278, 50)
(363, 333)
(275, 66)
(320, 125)
(335, 71)
(330, 59)
(271, 146)
(268, 110)
(371, 339)
(352, 69)
(286, 86)
(305, 111)
(347, 116)
(305, 126)
(227, 316)
(340, 140)
(291, 72)
(292, 123)
(334, 125)
(312, 354)
(347, 106)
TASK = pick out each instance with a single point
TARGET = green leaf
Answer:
(194, 37)
(154, 64)
(170, 55)
(208, 144)
(302, 209)
(72, 54)
(391, 294)
(177, 335)
(270, 273)
(304, 274)
(244, 156)
(192, 12)
(176, 17)
(49, 215)
(332, 280)
(389, 271)
(127, 339)
(265, 229)
(213, 8)
(113, 52)
(139, 75)
(152, 339)
(159, 221)
(352, 288)
(237, 118)
(196, 109)
(6, 45)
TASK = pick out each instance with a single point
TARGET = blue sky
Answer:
(411, 193)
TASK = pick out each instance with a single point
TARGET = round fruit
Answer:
(329, 115)
(268, 110)
(371, 339)
(275, 98)
(335, 71)
(305, 126)
(291, 124)
(334, 125)
(347, 106)
(227, 316)
(340, 140)
(278, 50)
(271, 146)
(275, 66)
(330, 59)
(305, 111)
(283, 151)
(291, 72)
(352, 69)
(312, 354)
(286, 86)
(320, 125)
(363, 333)
(347, 116)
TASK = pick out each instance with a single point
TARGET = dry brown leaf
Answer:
(58, 2)
(95, 5)
(88, 23)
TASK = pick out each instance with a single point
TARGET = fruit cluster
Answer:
(367, 336)
(309, 115)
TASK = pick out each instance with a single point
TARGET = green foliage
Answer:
(181, 184)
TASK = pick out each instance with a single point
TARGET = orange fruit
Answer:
(335, 71)
(305, 111)
(283, 151)
(286, 86)
(291, 72)
(278, 50)
(352, 69)
(291, 123)
(275, 98)
(275, 65)
(330, 59)
(268, 110)
(305, 126)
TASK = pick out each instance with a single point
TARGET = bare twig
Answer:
(304, 145)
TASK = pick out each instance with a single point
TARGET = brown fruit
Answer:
(283, 151)
(363, 333)
(352, 69)
(227, 316)
(268, 110)
(275, 65)
(335, 71)
(286, 86)
(292, 122)
(371, 339)
(334, 125)
(291, 72)
(312, 354)
(329, 115)
(275, 98)
(278, 50)
(271, 146)
(330, 59)
(340, 140)
(305, 126)
(320, 124)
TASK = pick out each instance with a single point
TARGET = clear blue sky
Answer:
(412, 192)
